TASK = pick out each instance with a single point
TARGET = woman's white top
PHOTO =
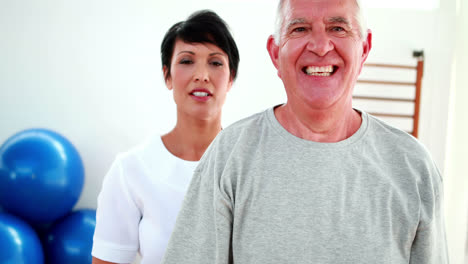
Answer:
(139, 202)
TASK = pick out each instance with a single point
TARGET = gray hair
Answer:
(360, 18)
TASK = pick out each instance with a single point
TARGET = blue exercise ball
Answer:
(41, 175)
(19, 244)
(70, 240)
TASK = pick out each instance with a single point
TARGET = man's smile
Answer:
(319, 70)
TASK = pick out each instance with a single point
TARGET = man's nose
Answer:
(319, 43)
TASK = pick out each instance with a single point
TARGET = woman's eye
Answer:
(186, 61)
(216, 63)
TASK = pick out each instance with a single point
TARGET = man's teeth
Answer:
(319, 71)
(200, 94)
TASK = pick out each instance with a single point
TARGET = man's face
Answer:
(320, 53)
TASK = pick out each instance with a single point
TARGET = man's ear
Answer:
(366, 46)
(168, 80)
(273, 50)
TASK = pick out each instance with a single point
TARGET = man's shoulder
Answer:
(241, 136)
(400, 151)
(384, 129)
(396, 139)
(248, 125)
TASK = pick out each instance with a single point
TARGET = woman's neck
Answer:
(191, 137)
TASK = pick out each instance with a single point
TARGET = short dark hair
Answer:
(203, 26)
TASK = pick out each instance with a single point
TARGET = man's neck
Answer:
(320, 125)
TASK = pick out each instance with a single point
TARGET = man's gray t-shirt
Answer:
(262, 195)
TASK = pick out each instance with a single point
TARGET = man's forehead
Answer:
(334, 2)
(346, 6)
(332, 19)
(332, 11)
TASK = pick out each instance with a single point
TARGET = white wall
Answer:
(456, 184)
(91, 69)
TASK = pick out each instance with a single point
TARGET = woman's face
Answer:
(200, 79)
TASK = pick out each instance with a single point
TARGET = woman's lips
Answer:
(201, 95)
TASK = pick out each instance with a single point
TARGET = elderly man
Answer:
(313, 180)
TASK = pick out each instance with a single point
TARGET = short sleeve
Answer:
(203, 229)
(430, 244)
(117, 219)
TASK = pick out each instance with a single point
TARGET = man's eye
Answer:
(299, 29)
(337, 29)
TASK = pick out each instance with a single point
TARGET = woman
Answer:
(143, 191)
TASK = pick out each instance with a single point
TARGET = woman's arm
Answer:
(117, 223)
(98, 261)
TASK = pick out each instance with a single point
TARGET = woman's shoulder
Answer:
(150, 146)
(140, 157)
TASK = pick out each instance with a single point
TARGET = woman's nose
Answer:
(201, 74)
